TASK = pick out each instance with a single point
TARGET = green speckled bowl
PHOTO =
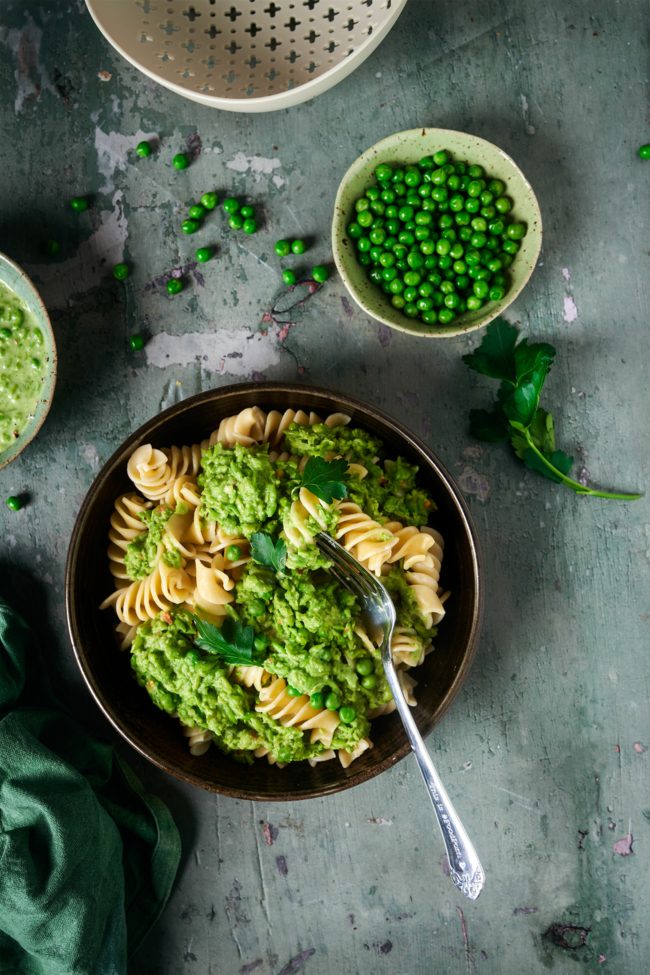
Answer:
(409, 147)
(15, 278)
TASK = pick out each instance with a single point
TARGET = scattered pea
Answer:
(233, 552)
(319, 273)
(644, 151)
(231, 205)
(236, 221)
(174, 286)
(209, 200)
(190, 226)
(283, 247)
(143, 149)
(14, 503)
(79, 204)
(247, 211)
(204, 254)
(136, 343)
(180, 161)
(121, 271)
(249, 225)
(298, 246)
(289, 276)
(196, 211)
(52, 247)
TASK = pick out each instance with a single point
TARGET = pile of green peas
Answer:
(436, 236)
(240, 216)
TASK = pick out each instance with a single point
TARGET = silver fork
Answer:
(464, 865)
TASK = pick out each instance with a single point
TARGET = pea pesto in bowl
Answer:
(246, 668)
(27, 361)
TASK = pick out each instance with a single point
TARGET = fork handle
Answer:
(464, 865)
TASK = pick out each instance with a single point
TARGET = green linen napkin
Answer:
(87, 859)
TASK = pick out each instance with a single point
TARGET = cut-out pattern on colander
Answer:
(242, 49)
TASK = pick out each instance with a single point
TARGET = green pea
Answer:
(230, 205)
(193, 657)
(370, 680)
(443, 247)
(364, 219)
(364, 244)
(298, 246)
(289, 277)
(503, 204)
(174, 286)
(209, 200)
(293, 691)
(247, 211)
(463, 218)
(249, 225)
(496, 227)
(497, 293)
(452, 300)
(472, 205)
(445, 316)
(474, 303)
(52, 247)
(5, 332)
(317, 701)
(121, 271)
(486, 198)
(388, 197)
(397, 301)
(319, 273)
(365, 666)
(79, 204)
(353, 230)
(14, 503)
(256, 607)
(204, 254)
(235, 221)
(136, 343)
(196, 211)
(190, 226)
(143, 149)
(332, 701)
(412, 176)
(233, 552)
(474, 188)
(496, 187)
(180, 161)
(644, 152)
(480, 289)
(396, 286)
(510, 246)
(515, 231)
(15, 317)
(383, 173)
(347, 715)
(406, 213)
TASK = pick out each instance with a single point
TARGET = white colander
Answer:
(245, 55)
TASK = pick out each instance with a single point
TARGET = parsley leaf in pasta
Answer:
(265, 551)
(326, 478)
(234, 643)
(516, 415)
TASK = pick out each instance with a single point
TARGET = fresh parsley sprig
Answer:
(265, 551)
(233, 642)
(517, 416)
(326, 478)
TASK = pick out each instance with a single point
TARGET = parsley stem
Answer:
(575, 485)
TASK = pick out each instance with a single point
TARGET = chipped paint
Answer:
(90, 455)
(570, 312)
(257, 166)
(228, 352)
(525, 114)
(623, 847)
(30, 74)
(566, 274)
(61, 281)
(471, 482)
(113, 149)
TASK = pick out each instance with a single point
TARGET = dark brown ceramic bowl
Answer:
(157, 736)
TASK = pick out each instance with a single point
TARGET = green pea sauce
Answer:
(23, 365)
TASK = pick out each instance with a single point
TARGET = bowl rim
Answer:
(49, 383)
(262, 103)
(360, 771)
(338, 233)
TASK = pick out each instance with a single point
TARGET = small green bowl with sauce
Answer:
(27, 361)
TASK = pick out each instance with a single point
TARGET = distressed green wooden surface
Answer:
(545, 750)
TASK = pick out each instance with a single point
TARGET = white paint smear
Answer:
(570, 309)
(85, 269)
(257, 166)
(566, 274)
(31, 77)
(530, 129)
(229, 352)
(90, 455)
(113, 150)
